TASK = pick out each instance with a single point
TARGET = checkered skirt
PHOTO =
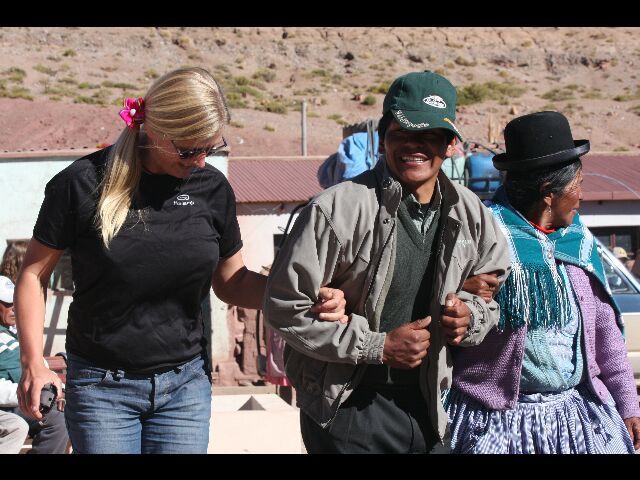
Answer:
(573, 421)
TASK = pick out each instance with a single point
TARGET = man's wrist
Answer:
(472, 327)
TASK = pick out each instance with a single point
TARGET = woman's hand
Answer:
(30, 387)
(633, 425)
(331, 305)
(484, 285)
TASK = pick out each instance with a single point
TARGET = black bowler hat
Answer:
(538, 140)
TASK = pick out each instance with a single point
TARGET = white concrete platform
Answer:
(276, 429)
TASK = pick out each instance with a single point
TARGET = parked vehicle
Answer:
(626, 290)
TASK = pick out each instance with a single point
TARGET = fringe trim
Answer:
(533, 295)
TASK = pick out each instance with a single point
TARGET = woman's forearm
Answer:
(30, 311)
(244, 289)
(39, 262)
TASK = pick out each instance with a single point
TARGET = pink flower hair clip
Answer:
(133, 112)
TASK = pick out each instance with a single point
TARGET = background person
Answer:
(49, 434)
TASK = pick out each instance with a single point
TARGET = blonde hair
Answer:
(12, 259)
(185, 104)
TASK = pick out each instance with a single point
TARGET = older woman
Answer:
(553, 376)
(151, 227)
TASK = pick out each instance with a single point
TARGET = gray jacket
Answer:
(345, 238)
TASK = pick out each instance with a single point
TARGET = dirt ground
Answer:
(68, 83)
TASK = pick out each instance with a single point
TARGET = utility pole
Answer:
(303, 124)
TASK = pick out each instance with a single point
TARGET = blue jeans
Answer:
(112, 411)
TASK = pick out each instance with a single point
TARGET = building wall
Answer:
(22, 183)
(617, 213)
(259, 222)
(615, 223)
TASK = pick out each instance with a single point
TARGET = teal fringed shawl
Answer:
(534, 292)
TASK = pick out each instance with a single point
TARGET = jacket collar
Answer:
(390, 190)
(450, 195)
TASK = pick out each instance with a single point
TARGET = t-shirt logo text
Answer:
(183, 200)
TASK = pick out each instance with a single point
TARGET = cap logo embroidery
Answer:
(405, 121)
(435, 101)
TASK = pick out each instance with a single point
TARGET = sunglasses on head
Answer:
(187, 153)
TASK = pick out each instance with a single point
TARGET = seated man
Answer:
(49, 435)
(13, 429)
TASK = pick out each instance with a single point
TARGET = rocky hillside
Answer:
(61, 87)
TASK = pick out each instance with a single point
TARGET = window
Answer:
(617, 283)
(625, 237)
(604, 238)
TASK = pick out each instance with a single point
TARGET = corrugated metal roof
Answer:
(293, 179)
(264, 180)
(611, 177)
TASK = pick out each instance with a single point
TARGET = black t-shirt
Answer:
(137, 305)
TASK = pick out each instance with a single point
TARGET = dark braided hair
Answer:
(525, 188)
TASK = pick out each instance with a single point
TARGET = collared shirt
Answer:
(422, 213)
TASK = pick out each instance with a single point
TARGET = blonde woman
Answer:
(151, 227)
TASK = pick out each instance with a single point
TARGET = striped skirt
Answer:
(573, 421)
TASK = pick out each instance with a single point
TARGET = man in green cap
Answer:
(399, 240)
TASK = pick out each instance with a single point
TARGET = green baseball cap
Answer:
(422, 101)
